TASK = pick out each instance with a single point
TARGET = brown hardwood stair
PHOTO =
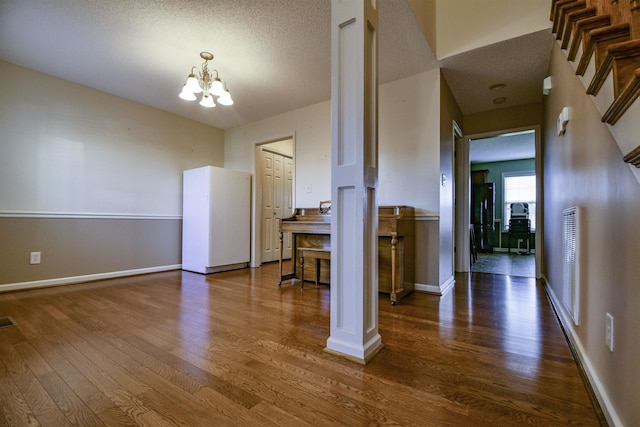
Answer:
(562, 12)
(610, 31)
(581, 30)
(597, 42)
(570, 26)
(623, 100)
(633, 157)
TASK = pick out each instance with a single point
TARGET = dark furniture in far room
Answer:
(520, 228)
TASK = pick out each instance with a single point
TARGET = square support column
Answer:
(354, 180)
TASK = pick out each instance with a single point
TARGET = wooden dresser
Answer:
(396, 225)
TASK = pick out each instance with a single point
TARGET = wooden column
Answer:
(354, 180)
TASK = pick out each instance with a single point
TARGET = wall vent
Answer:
(571, 262)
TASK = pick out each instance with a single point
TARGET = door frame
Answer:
(460, 244)
(462, 210)
(257, 191)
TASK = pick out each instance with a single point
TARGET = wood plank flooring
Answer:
(178, 348)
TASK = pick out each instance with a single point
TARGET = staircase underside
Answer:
(604, 35)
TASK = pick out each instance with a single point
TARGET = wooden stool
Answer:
(312, 253)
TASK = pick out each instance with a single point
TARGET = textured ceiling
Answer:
(512, 146)
(273, 54)
(520, 63)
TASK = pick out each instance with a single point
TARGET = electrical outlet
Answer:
(608, 339)
(34, 258)
(308, 188)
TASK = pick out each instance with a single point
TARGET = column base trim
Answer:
(362, 356)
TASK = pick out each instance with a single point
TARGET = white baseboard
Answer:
(87, 278)
(435, 289)
(431, 289)
(598, 389)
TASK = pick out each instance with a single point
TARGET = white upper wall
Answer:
(67, 148)
(409, 143)
(409, 159)
(464, 25)
(310, 128)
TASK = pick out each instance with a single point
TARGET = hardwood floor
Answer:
(233, 348)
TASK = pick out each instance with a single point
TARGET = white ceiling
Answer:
(520, 63)
(274, 55)
(511, 146)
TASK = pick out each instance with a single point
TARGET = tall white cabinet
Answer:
(216, 219)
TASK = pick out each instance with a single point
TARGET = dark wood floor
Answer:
(233, 348)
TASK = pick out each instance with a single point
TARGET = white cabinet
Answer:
(216, 219)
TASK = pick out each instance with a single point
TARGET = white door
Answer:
(277, 192)
(288, 202)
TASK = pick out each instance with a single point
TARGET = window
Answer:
(519, 187)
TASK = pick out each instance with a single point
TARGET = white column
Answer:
(354, 180)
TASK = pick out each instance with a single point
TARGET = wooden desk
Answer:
(396, 226)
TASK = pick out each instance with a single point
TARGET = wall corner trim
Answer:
(441, 290)
(86, 278)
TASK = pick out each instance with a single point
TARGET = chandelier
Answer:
(202, 81)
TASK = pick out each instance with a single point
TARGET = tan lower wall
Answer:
(427, 246)
(72, 247)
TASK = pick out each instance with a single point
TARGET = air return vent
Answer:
(571, 262)
(5, 322)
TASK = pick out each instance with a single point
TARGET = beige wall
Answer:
(425, 12)
(311, 132)
(517, 117)
(485, 22)
(408, 154)
(80, 167)
(584, 168)
(73, 247)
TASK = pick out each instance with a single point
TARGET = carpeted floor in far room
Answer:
(514, 263)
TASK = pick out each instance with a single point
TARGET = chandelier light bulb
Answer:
(225, 98)
(207, 101)
(186, 94)
(193, 84)
(217, 88)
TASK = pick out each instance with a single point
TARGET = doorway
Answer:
(502, 170)
(276, 196)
